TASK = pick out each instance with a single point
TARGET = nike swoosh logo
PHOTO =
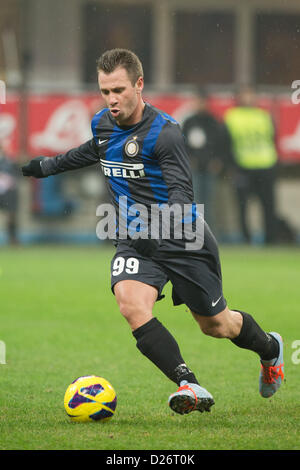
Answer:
(213, 304)
(102, 141)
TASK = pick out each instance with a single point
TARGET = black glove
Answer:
(33, 168)
(145, 246)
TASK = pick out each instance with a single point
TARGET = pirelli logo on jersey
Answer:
(122, 170)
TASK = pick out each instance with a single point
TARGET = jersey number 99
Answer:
(131, 266)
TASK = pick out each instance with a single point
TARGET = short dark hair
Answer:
(110, 60)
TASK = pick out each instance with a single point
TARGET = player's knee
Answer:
(211, 326)
(226, 324)
(215, 329)
(134, 311)
(127, 308)
(135, 301)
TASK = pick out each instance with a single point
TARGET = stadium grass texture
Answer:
(59, 321)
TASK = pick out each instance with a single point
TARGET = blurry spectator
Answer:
(9, 194)
(202, 133)
(253, 158)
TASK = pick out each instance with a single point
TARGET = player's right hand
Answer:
(33, 168)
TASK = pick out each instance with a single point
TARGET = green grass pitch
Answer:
(59, 321)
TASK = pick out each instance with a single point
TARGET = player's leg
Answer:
(241, 329)
(197, 283)
(136, 301)
(137, 283)
(244, 332)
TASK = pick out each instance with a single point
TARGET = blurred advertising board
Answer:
(10, 137)
(53, 124)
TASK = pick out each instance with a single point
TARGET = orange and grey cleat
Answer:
(272, 372)
(190, 397)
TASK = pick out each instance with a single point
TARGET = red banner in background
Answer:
(57, 123)
(10, 126)
(288, 131)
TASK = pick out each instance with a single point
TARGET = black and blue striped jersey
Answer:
(147, 162)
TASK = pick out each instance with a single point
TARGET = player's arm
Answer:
(174, 162)
(79, 157)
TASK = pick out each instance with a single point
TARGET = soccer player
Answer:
(142, 153)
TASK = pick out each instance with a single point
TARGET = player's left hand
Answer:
(33, 168)
(145, 247)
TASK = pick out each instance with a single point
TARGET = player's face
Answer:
(121, 97)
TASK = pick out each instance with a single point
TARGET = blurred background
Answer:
(199, 57)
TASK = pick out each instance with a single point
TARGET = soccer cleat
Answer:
(272, 372)
(190, 397)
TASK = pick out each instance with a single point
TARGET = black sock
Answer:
(160, 347)
(254, 338)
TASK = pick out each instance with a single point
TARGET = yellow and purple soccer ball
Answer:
(90, 398)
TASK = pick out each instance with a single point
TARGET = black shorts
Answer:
(195, 275)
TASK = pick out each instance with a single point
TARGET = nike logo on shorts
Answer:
(214, 303)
